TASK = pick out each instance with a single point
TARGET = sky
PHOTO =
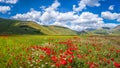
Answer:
(74, 14)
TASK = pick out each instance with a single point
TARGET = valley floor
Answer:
(35, 51)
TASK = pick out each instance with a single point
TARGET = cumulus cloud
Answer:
(50, 13)
(51, 16)
(54, 6)
(91, 26)
(111, 25)
(83, 3)
(4, 9)
(111, 7)
(66, 17)
(87, 20)
(9, 1)
(88, 17)
(79, 22)
(111, 16)
(33, 15)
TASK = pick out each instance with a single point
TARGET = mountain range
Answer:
(8, 26)
(17, 27)
(102, 31)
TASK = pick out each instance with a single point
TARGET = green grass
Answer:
(16, 51)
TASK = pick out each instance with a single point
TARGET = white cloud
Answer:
(66, 17)
(91, 2)
(83, 3)
(42, 7)
(4, 9)
(51, 16)
(111, 7)
(80, 22)
(87, 17)
(87, 20)
(60, 24)
(45, 17)
(54, 6)
(50, 13)
(91, 26)
(111, 16)
(9, 1)
(111, 25)
(80, 8)
(33, 15)
(48, 17)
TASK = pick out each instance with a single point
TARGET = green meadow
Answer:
(36, 51)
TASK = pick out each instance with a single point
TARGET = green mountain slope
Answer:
(100, 31)
(8, 26)
(16, 27)
(104, 31)
(116, 30)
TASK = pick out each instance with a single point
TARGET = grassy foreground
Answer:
(59, 52)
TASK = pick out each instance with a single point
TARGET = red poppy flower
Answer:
(73, 57)
(41, 56)
(54, 58)
(30, 59)
(63, 62)
(61, 51)
(92, 64)
(117, 65)
(112, 59)
(79, 56)
(70, 60)
(57, 64)
(90, 51)
(69, 66)
(69, 52)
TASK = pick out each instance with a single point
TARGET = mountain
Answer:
(103, 31)
(98, 31)
(116, 30)
(16, 27)
(8, 26)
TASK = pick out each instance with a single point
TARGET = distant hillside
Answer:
(16, 27)
(8, 26)
(116, 30)
(103, 31)
(98, 31)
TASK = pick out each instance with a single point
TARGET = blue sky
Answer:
(75, 14)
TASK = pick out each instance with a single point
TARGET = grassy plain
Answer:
(34, 51)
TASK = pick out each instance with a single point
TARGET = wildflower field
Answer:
(34, 51)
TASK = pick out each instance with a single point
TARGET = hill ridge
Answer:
(9, 26)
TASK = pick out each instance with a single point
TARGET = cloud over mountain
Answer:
(70, 19)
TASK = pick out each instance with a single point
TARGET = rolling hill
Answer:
(100, 31)
(8, 26)
(17, 27)
(116, 30)
(103, 31)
